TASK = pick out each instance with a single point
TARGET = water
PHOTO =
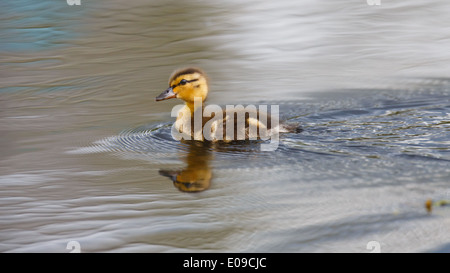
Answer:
(85, 150)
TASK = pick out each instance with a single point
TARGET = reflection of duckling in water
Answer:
(190, 83)
(197, 175)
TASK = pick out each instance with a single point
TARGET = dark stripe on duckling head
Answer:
(183, 82)
(185, 71)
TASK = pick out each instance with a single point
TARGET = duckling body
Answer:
(199, 122)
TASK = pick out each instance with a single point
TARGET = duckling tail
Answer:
(291, 127)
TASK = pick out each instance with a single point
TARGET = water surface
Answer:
(83, 143)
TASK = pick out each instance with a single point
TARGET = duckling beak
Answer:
(167, 94)
(170, 174)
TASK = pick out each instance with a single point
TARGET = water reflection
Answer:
(196, 176)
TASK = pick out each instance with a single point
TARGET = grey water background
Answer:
(82, 140)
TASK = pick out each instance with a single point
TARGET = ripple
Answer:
(152, 140)
(411, 128)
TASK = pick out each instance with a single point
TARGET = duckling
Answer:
(191, 85)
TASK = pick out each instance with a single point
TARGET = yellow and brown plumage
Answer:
(190, 83)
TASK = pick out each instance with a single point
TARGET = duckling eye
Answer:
(183, 82)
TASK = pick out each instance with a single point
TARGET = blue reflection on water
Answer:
(37, 25)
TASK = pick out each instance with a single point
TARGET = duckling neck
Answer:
(194, 106)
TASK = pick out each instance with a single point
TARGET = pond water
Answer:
(86, 153)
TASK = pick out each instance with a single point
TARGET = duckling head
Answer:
(186, 84)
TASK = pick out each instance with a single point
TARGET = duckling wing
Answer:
(245, 123)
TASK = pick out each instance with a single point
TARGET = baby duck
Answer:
(191, 85)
